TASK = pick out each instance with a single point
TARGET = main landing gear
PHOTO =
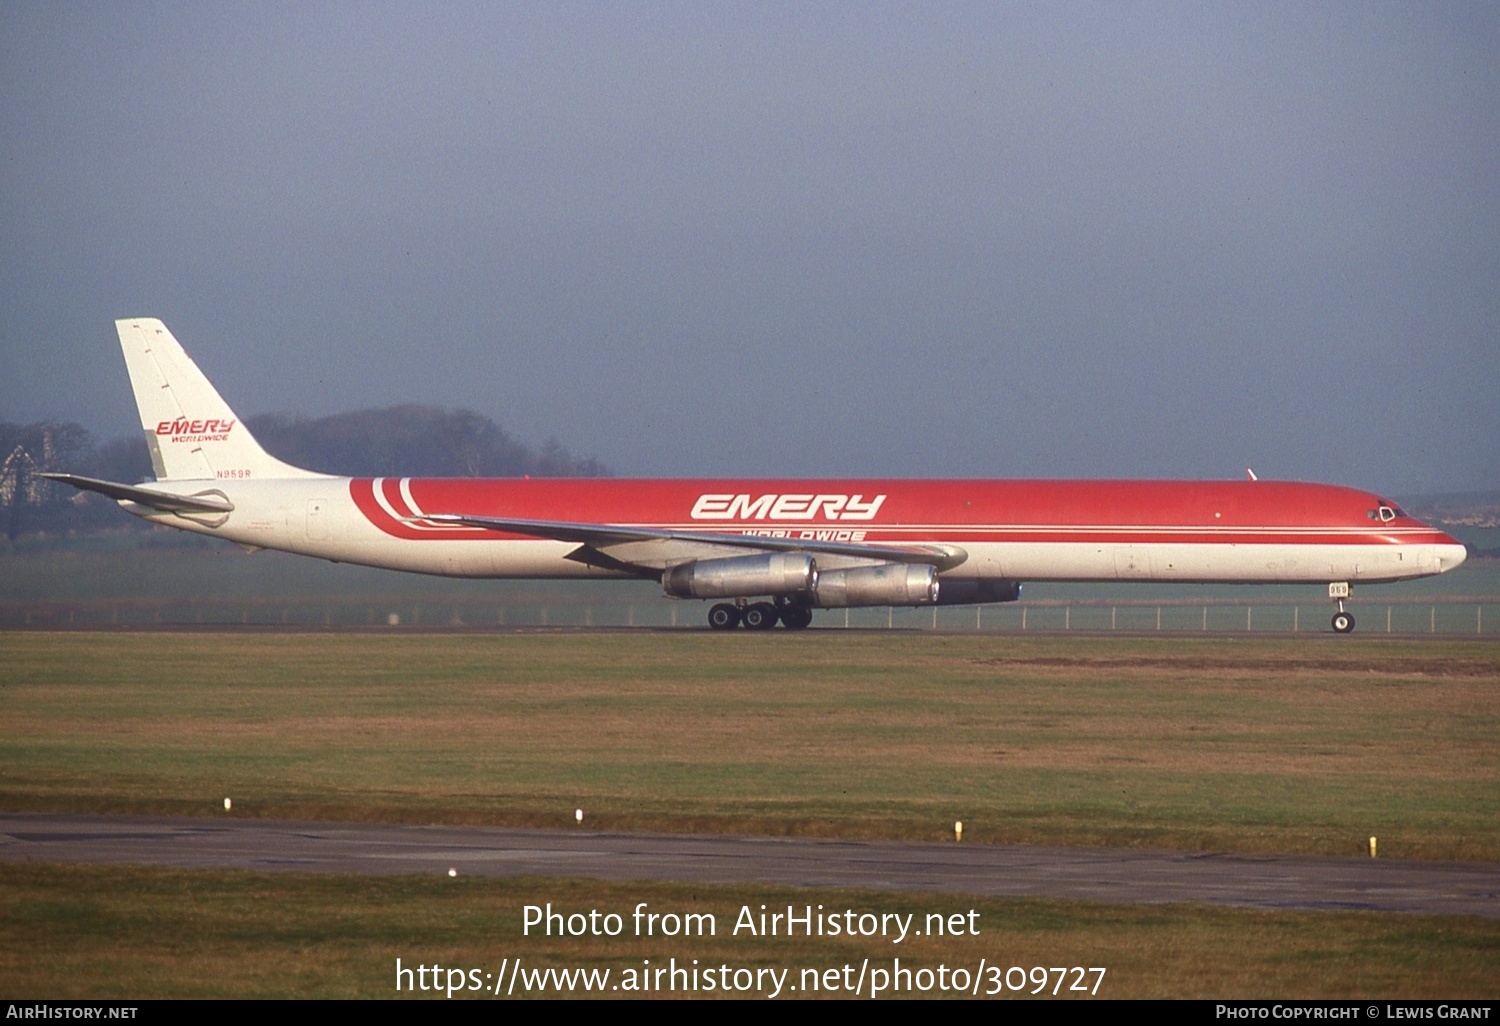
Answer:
(1343, 622)
(758, 616)
(723, 617)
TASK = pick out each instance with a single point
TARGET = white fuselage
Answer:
(317, 517)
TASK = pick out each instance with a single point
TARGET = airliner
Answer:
(767, 552)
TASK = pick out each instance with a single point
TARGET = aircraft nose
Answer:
(1451, 553)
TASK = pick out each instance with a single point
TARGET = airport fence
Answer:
(1451, 615)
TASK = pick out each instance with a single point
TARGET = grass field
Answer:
(1255, 745)
(1289, 745)
(94, 932)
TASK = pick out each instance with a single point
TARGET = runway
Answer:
(1098, 874)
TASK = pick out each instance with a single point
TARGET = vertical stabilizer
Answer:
(191, 431)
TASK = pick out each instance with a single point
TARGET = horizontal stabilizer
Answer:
(206, 502)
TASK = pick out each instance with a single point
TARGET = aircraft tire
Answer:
(761, 616)
(795, 618)
(723, 617)
(1343, 622)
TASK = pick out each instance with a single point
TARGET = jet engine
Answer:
(778, 573)
(887, 584)
(970, 592)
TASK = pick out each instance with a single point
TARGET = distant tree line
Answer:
(412, 441)
(416, 441)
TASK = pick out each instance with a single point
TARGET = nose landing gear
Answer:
(1343, 622)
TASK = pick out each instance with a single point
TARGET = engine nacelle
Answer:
(778, 573)
(970, 592)
(888, 584)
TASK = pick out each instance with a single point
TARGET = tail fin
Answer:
(191, 431)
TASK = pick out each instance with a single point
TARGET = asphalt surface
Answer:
(1097, 874)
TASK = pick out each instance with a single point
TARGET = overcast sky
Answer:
(987, 240)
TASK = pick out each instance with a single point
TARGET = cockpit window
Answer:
(1385, 512)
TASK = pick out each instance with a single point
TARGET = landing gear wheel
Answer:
(723, 617)
(761, 616)
(1343, 622)
(795, 617)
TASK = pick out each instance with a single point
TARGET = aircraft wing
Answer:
(205, 502)
(602, 538)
